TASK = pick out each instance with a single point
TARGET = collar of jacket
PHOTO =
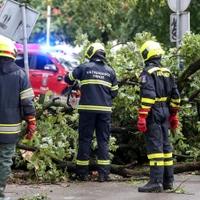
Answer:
(7, 67)
(156, 62)
(97, 59)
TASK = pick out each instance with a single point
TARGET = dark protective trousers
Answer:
(6, 153)
(159, 150)
(90, 122)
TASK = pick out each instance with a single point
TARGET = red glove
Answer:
(173, 120)
(31, 127)
(141, 123)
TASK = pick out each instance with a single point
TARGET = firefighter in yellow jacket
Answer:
(157, 113)
(16, 105)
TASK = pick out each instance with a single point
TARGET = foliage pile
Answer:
(56, 139)
(54, 144)
(128, 65)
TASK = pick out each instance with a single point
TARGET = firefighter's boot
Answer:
(151, 186)
(168, 178)
(168, 186)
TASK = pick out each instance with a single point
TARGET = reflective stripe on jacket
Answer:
(16, 97)
(98, 86)
(158, 87)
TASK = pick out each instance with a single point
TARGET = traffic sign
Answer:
(184, 25)
(178, 5)
(11, 20)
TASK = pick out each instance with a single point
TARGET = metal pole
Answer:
(178, 35)
(26, 65)
(48, 24)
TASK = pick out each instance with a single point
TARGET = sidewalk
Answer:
(106, 191)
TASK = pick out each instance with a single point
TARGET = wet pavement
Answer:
(189, 190)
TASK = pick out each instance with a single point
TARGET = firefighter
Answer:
(98, 87)
(160, 102)
(15, 104)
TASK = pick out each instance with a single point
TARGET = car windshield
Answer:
(68, 61)
(68, 64)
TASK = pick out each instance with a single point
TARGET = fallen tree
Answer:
(128, 170)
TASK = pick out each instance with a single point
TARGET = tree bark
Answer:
(183, 79)
(194, 95)
(124, 170)
(138, 171)
(186, 167)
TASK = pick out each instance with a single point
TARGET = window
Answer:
(40, 62)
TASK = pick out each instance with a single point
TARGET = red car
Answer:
(46, 69)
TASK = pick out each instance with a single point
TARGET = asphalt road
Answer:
(189, 190)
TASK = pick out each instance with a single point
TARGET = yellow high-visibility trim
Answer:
(24, 91)
(28, 96)
(174, 105)
(150, 71)
(10, 124)
(168, 155)
(145, 107)
(103, 162)
(176, 100)
(163, 73)
(113, 88)
(162, 69)
(10, 132)
(28, 93)
(94, 81)
(156, 163)
(155, 155)
(147, 100)
(71, 77)
(10, 128)
(90, 107)
(168, 163)
(161, 99)
(82, 162)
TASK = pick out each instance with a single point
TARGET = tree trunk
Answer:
(124, 170)
(183, 79)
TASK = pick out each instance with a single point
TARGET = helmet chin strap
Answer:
(155, 61)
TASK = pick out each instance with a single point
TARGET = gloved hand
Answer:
(174, 121)
(31, 127)
(141, 123)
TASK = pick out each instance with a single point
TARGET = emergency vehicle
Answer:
(47, 68)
